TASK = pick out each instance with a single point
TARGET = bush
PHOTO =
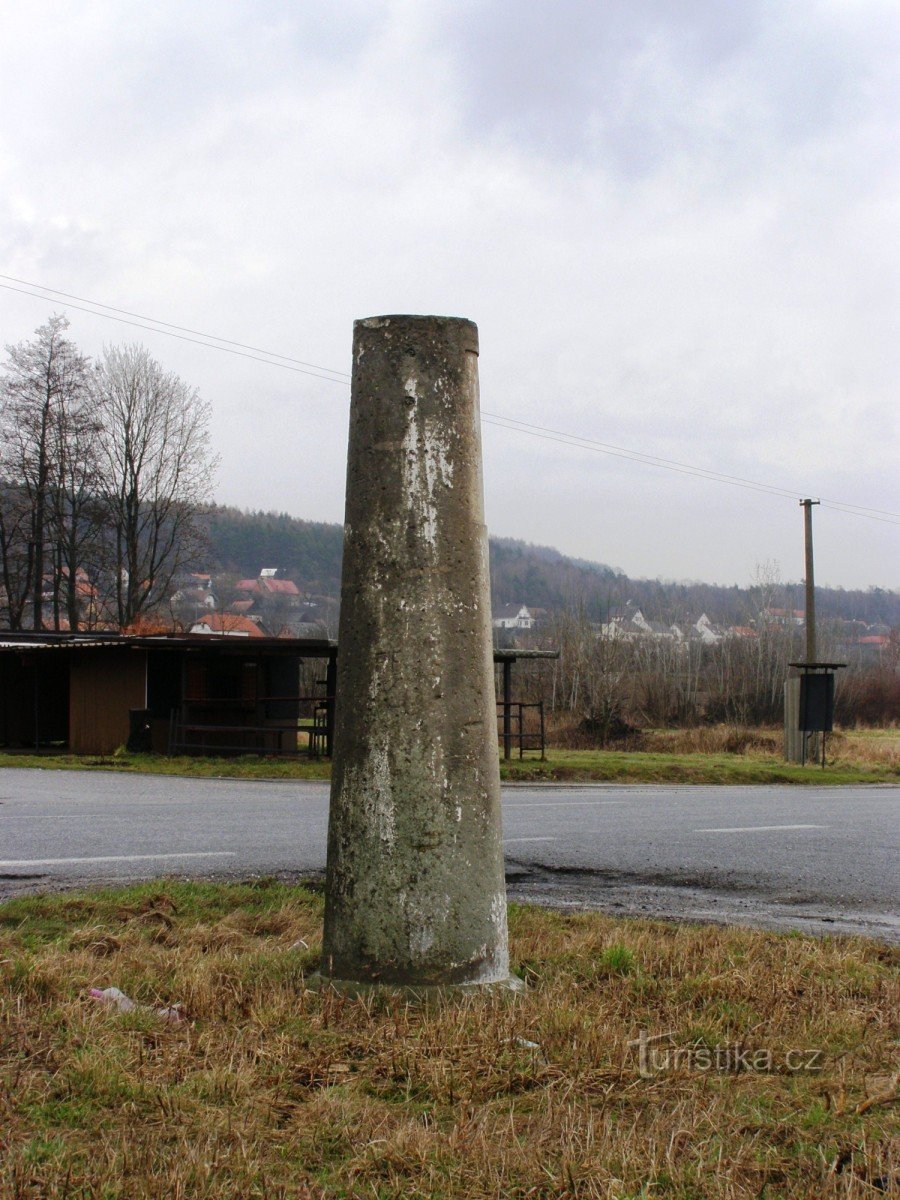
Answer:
(869, 698)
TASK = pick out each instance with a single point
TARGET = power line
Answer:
(584, 443)
(851, 512)
(210, 345)
(574, 439)
(332, 375)
(168, 325)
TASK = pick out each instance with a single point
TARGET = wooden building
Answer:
(91, 693)
(193, 693)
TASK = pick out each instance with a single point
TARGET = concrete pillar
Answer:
(415, 891)
(799, 746)
(793, 735)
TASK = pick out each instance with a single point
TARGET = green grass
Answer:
(611, 766)
(658, 767)
(269, 1089)
(250, 766)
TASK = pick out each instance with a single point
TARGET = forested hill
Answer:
(309, 552)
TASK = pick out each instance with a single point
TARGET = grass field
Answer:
(266, 1089)
(717, 754)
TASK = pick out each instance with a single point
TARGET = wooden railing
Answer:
(244, 726)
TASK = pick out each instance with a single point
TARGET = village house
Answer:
(267, 586)
(631, 624)
(229, 625)
(513, 616)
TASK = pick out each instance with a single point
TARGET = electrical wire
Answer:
(584, 443)
(210, 345)
(332, 375)
(574, 439)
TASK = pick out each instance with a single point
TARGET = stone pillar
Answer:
(415, 891)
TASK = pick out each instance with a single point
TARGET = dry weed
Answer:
(272, 1090)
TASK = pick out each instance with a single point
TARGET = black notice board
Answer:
(817, 703)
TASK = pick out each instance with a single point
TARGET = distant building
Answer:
(784, 616)
(228, 625)
(198, 597)
(630, 623)
(268, 587)
(513, 616)
(704, 629)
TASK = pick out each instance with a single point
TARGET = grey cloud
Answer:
(142, 80)
(671, 220)
(629, 83)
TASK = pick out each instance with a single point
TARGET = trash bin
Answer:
(140, 733)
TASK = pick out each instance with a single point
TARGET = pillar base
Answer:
(423, 993)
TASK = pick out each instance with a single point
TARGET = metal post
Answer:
(330, 689)
(507, 708)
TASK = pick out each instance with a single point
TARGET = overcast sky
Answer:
(674, 221)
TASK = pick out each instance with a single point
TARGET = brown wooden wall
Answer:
(104, 686)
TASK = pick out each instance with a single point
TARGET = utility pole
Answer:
(809, 689)
(810, 620)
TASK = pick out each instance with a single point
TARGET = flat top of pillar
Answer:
(415, 320)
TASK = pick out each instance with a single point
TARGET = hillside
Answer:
(309, 552)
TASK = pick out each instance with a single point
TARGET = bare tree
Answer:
(158, 474)
(16, 551)
(591, 677)
(77, 512)
(45, 381)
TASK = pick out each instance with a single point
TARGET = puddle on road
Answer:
(621, 894)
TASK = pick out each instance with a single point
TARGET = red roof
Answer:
(283, 587)
(228, 623)
(873, 639)
(247, 585)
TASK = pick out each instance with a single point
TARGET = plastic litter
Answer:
(114, 998)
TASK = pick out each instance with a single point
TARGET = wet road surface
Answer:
(822, 860)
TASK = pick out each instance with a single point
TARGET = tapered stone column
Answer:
(415, 892)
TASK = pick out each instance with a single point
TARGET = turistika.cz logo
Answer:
(659, 1052)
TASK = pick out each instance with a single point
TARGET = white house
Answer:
(513, 616)
(704, 627)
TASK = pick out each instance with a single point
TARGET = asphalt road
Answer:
(815, 859)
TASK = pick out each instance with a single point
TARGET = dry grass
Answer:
(874, 748)
(270, 1090)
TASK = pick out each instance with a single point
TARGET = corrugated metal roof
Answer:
(155, 641)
